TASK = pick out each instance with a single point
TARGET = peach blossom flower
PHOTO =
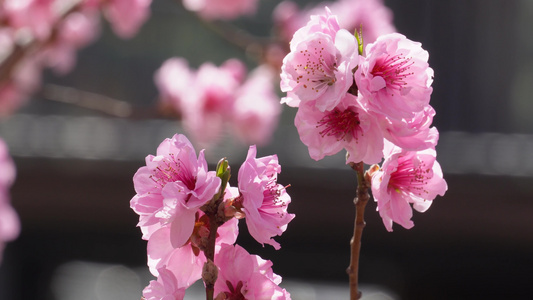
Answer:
(406, 177)
(263, 201)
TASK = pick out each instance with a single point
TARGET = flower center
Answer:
(317, 70)
(171, 169)
(341, 124)
(213, 102)
(234, 292)
(394, 70)
(272, 198)
(409, 177)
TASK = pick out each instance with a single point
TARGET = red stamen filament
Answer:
(340, 124)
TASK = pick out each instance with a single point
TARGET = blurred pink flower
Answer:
(27, 74)
(171, 188)
(394, 77)
(7, 41)
(319, 67)
(166, 287)
(77, 30)
(36, 15)
(406, 177)
(208, 103)
(245, 276)
(263, 201)
(347, 126)
(25, 79)
(173, 80)
(288, 19)
(11, 98)
(127, 16)
(256, 109)
(212, 98)
(221, 9)
(9, 221)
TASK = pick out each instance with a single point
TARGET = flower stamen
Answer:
(343, 125)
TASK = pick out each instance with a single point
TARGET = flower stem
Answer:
(360, 202)
(214, 210)
(209, 272)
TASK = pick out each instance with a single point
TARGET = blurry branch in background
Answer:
(93, 101)
(101, 103)
(254, 46)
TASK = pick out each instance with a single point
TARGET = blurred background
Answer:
(79, 238)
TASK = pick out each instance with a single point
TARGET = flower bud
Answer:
(370, 172)
(209, 272)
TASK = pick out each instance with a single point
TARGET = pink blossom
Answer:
(9, 221)
(256, 109)
(166, 287)
(80, 28)
(221, 9)
(326, 23)
(245, 276)
(186, 262)
(215, 88)
(173, 80)
(36, 15)
(263, 201)
(25, 79)
(394, 77)
(77, 30)
(27, 74)
(161, 252)
(7, 176)
(319, 67)
(372, 16)
(288, 19)
(127, 16)
(347, 126)
(208, 103)
(171, 188)
(11, 98)
(212, 98)
(7, 41)
(406, 177)
(411, 134)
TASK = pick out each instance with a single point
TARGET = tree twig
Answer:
(355, 244)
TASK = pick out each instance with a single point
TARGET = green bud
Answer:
(222, 166)
(359, 38)
(223, 171)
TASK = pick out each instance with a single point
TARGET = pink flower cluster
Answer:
(221, 9)
(365, 104)
(371, 15)
(37, 34)
(212, 97)
(9, 222)
(177, 201)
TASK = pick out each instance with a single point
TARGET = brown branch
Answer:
(360, 203)
(215, 212)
